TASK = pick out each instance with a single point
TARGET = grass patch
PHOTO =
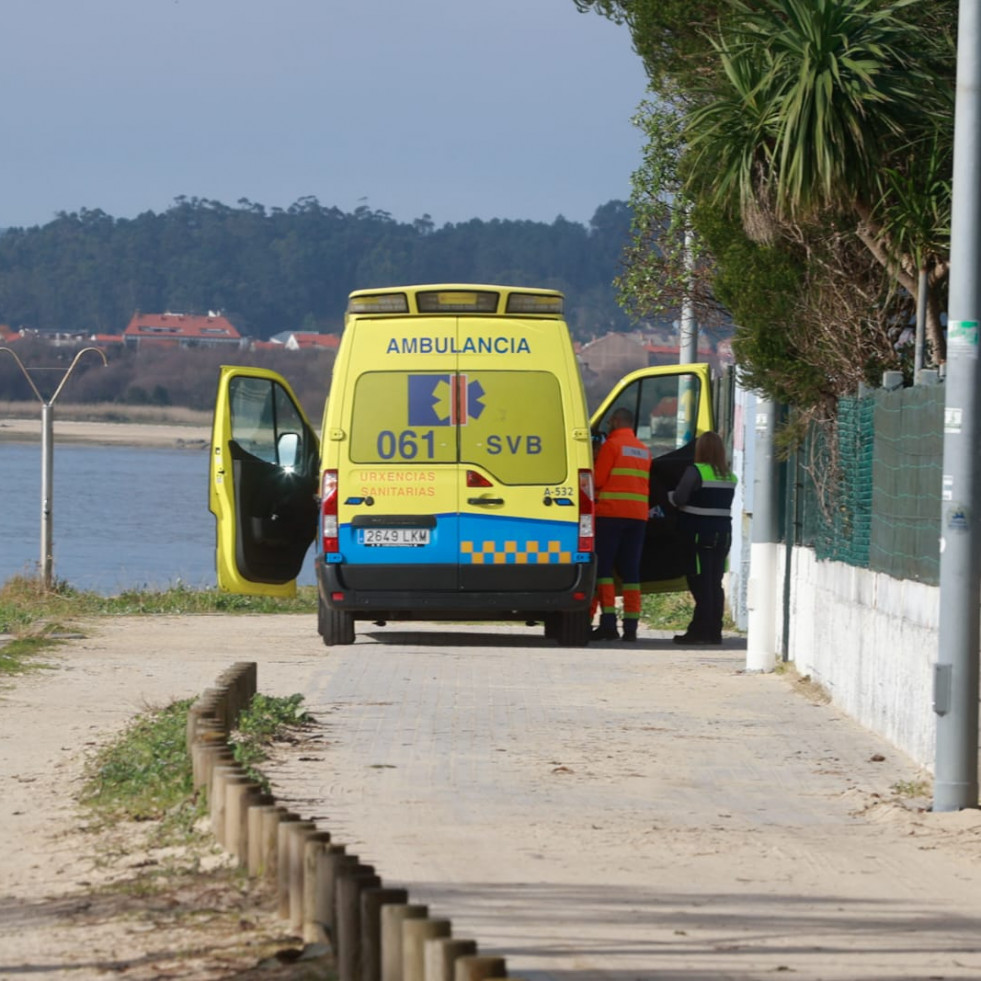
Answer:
(34, 616)
(265, 721)
(912, 788)
(145, 773)
(673, 611)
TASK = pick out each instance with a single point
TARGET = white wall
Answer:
(871, 642)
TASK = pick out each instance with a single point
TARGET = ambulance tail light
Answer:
(587, 512)
(475, 479)
(328, 512)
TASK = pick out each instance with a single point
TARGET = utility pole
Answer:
(761, 643)
(955, 681)
(688, 339)
(47, 460)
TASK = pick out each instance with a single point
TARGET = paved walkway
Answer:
(634, 812)
(615, 812)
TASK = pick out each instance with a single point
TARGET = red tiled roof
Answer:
(181, 325)
(317, 340)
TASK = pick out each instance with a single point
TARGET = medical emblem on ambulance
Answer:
(444, 400)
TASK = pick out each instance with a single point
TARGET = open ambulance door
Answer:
(263, 482)
(671, 405)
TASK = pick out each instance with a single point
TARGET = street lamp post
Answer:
(47, 458)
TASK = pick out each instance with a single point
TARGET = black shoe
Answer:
(604, 633)
(629, 638)
(691, 641)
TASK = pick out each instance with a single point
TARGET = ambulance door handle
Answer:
(485, 501)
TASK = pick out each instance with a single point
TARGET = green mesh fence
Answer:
(906, 483)
(837, 500)
(883, 511)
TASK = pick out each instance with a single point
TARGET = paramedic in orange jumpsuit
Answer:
(622, 475)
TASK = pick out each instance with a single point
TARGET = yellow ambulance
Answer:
(452, 476)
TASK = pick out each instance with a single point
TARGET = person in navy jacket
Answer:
(703, 498)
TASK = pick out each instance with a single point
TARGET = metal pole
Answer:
(688, 341)
(921, 306)
(47, 494)
(955, 682)
(761, 643)
(47, 458)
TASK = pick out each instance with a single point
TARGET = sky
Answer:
(459, 109)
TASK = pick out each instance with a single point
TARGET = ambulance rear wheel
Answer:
(572, 629)
(336, 626)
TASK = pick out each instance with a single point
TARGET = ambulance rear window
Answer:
(509, 422)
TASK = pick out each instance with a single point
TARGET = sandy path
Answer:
(608, 813)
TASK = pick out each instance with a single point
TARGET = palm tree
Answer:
(819, 108)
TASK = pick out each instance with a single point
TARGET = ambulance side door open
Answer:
(263, 481)
(672, 405)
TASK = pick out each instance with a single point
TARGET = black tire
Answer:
(572, 629)
(336, 626)
(552, 625)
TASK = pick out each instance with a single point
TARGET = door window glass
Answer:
(665, 409)
(514, 426)
(261, 413)
(404, 417)
(509, 422)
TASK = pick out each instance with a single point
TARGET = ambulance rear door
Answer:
(520, 456)
(398, 503)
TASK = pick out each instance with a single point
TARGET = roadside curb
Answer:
(327, 895)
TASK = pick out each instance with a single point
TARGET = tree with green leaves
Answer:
(811, 140)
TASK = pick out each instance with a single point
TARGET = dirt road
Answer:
(617, 812)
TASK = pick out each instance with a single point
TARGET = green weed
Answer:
(34, 616)
(145, 773)
(262, 723)
(912, 788)
(673, 611)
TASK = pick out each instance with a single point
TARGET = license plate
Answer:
(404, 537)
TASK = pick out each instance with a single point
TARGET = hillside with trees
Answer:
(271, 270)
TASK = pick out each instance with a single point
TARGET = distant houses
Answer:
(182, 330)
(604, 358)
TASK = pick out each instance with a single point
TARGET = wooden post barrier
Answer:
(209, 748)
(439, 956)
(239, 794)
(476, 967)
(220, 777)
(350, 884)
(258, 835)
(270, 842)
(313, 927)
(372, 901)
(329, 867)
(415, 933)
(297, 873)
(391, 936)
(284, 832)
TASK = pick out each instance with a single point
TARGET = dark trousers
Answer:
(619, 544)
(711, 552)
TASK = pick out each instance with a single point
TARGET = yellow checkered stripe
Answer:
(509, 553)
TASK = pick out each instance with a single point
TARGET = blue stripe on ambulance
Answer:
(481, 540)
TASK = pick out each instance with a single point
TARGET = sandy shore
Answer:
(107, 433)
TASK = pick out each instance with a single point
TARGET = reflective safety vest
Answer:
(714, 498)
(623, 473)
